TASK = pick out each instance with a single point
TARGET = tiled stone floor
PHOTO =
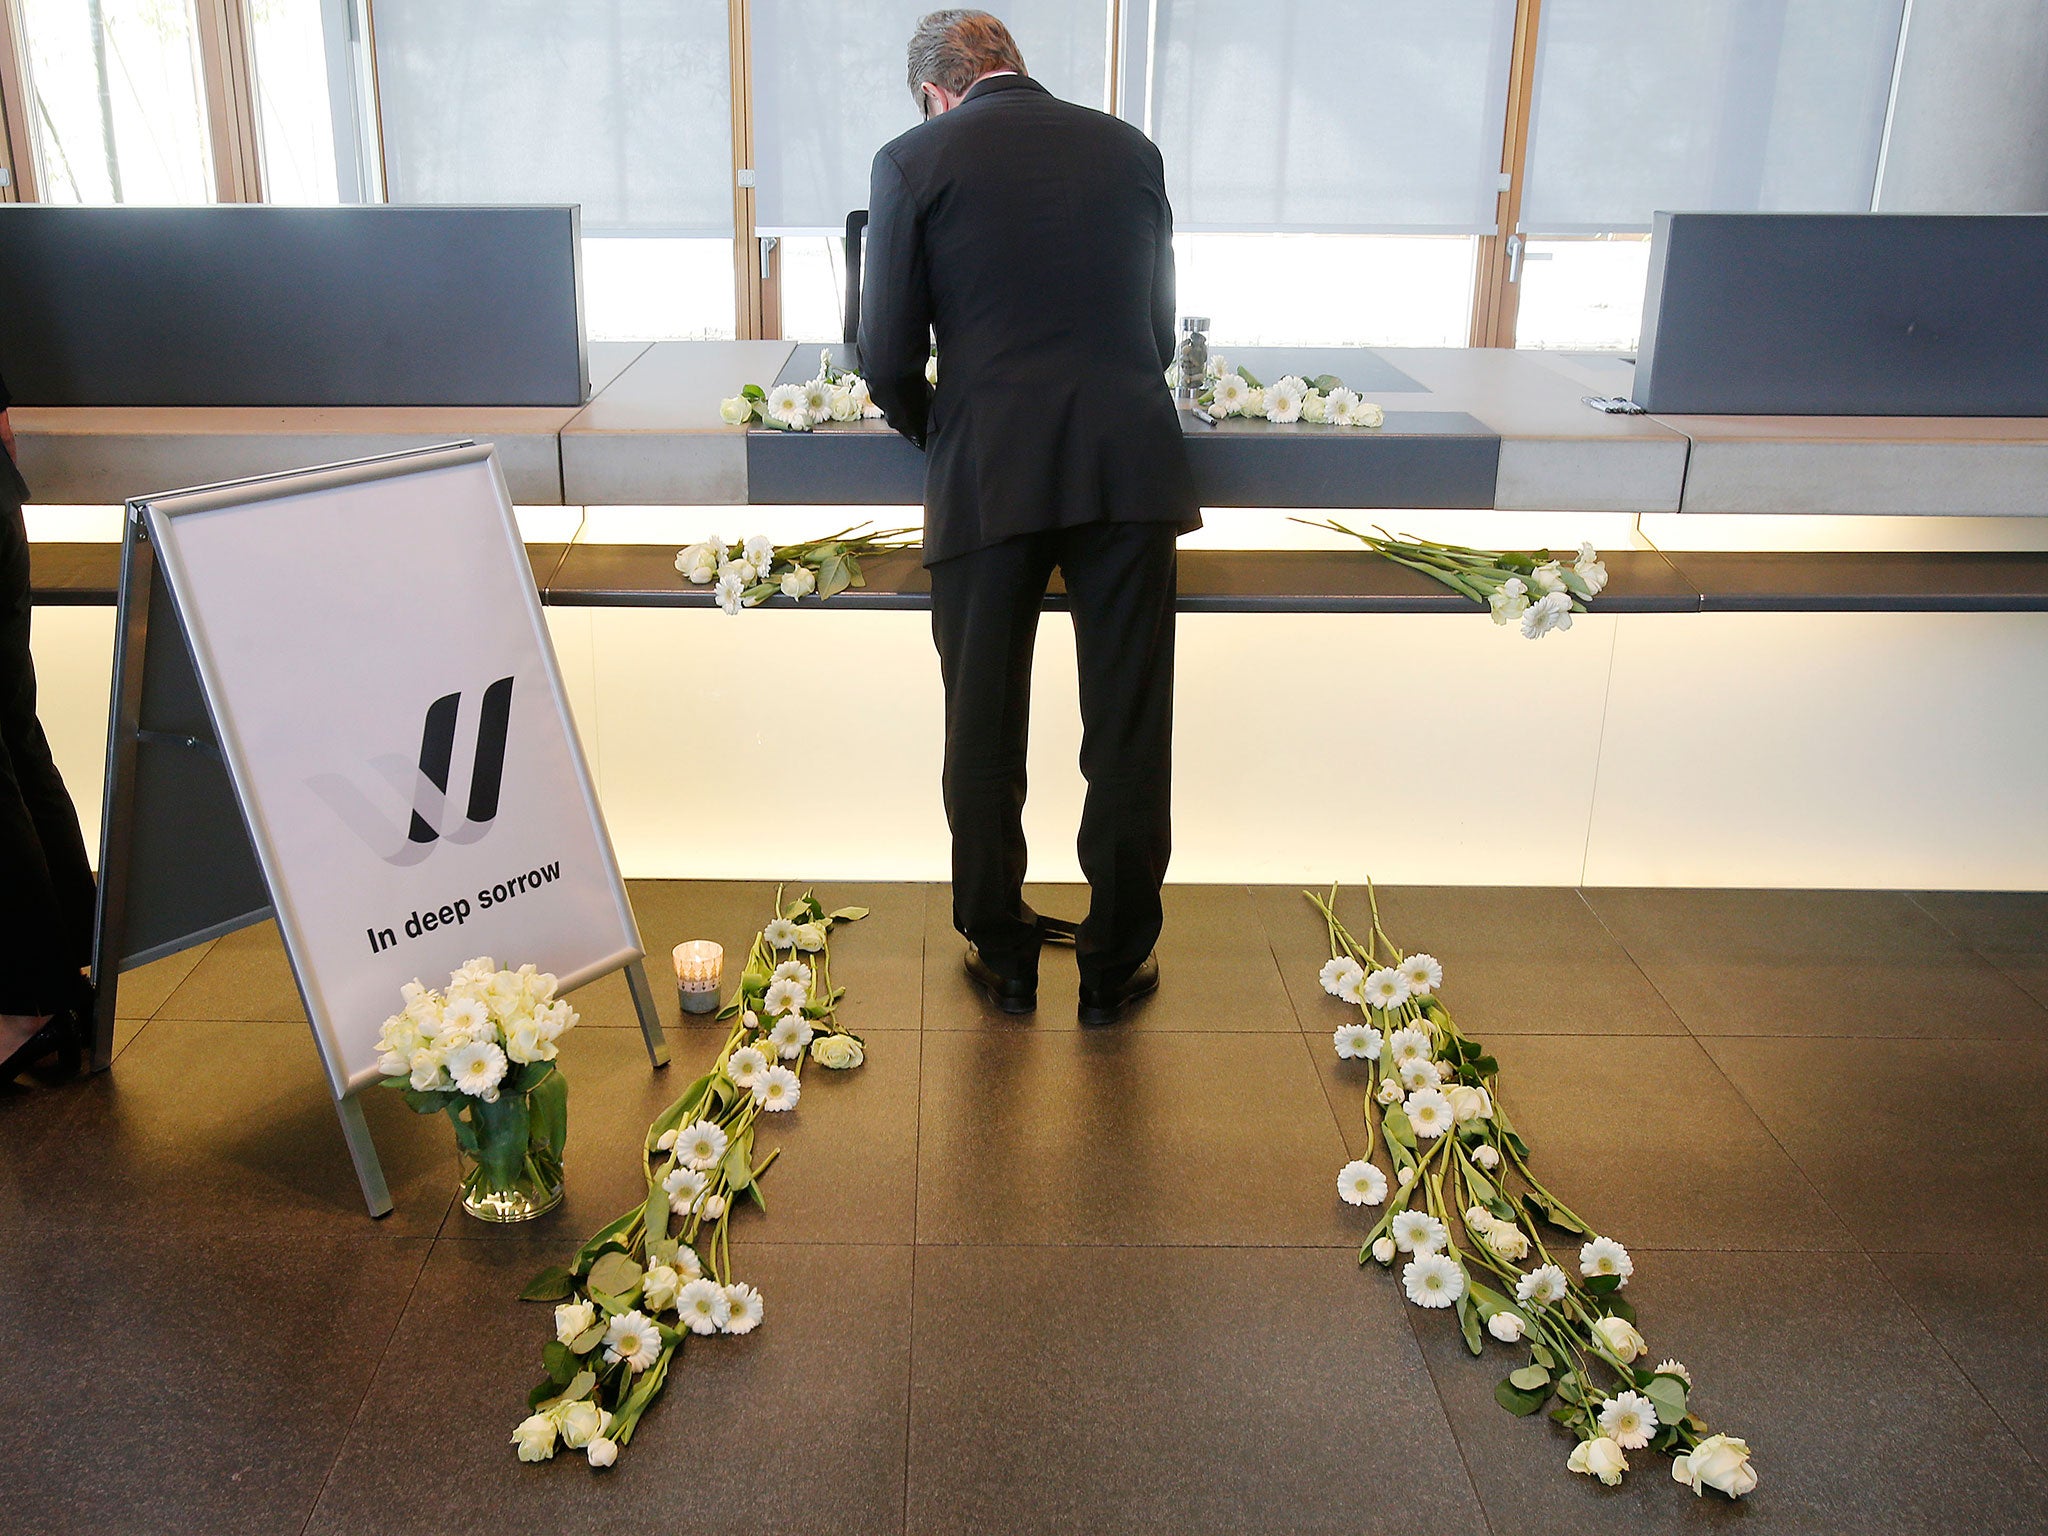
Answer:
(1023, 1277)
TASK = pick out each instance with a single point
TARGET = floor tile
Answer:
(1855, 1419)
(1528, 960)
(1986, 1309)
(145, 989)
(1855, 963)
(1215, 970)
(848, 1166)
(798, 1427)
(2008, 928)
(183, 1383)
(205, 1127)
(1643, 1137)
(1171, 1390)
(1918, 1146)
(243, 975)
(879, 960)
(1124, 1136)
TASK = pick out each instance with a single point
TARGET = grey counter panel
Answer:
(269, 306)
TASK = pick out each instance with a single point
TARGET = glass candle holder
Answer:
(698, 967)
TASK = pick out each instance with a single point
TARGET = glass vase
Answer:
(512, 1153)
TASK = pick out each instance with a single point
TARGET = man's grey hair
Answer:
(953, 49)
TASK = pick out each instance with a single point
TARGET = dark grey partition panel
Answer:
(1846, 314)
(292, 306)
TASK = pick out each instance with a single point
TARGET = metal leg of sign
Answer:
(362, 1151)
(650, 1021)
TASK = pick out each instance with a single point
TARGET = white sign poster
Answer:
(389, 707)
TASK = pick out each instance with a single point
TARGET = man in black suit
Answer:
(1033, 240)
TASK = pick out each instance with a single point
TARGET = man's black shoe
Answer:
(1012, 994)
(1103, 1005)
(1057, 930)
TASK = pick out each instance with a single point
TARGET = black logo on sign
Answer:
(425, 786)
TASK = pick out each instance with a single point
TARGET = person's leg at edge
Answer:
(985, 607)
(1120, 579)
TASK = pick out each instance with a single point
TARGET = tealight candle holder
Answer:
(698, 967)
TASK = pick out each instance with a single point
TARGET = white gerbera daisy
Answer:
(1629, 1419)
(792, 970)
(1359, 1183)
(1673, 1368)
(777, 1088)
(1338, 406)
(1418, 1232)
(1338, 976)
(477, 1068)
(745, 1066)
(759, 551)
(1429, 1112)
(1357, 1042)
(780, 934)
(1409, 1044)
(685, 1188)
(686, 1263)
(1385, 988)
(1546, 614)
(634, 1339)
(785, 997)
(1433, 1280)
(701, 1145)
(744, 1308)
(1542, 1286)
(1419, 1073)
(1604, 1256)
(792, 1032)
(1284, 399)
(1423, 973)
(1230, 396)
(786, 404)
(703, 1306)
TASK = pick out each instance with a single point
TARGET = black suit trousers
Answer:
(46, 889)
(1120, 581)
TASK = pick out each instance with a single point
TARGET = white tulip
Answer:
(1383, 1249)
(602, 1452)
(1508, 1327)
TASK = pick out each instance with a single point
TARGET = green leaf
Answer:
(548, 1103)
(1325, 382)
(1540, 1353)
(501, 1132)
(642, 1394)
(656, 1218)
(754, 392)
(1516, 1401)
(849, 914)
(579, 1386)
(1603, 1285)
(1395, 1123)
(589, 1338)
(610, 1236)
(429, 1103)
(1616, 1306)
(1247, 375)
(1667, 1396)
(561, 1362)
(1486, 1066)
(552, 1284)
(1468, 1323)
(1530, 1378)
(616, 1275)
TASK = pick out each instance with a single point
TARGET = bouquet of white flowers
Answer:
(1534, 587)
(755, 569)
(483, 1053)
(663, 1270)
(1432, 1096)
(1322, 401)
(833, 394)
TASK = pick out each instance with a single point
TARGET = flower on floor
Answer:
(1481, 1227)
(1530, 588)
(662, 1271)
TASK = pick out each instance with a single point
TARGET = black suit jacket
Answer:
(1033, 239)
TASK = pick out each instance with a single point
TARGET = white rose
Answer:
(1548, 577)
(582, 1422)
(1620, 1337)
(1468, 1103)
(574, 1318)
(658, 1289)
(602, 1452)
(428, 1073)
(931, 370)
(1506, 1326)
(800, 582)
(1315, 406)
(395, 1063)
(700, 562)
(1599, 1458)
(839, 1052)
(1254, 403)
(810, 938)
(846, 405)
(1366, 414)
(525, 1043)
(737, 411)
(1720, 1462)
(535, 1437)
(1383, 1249)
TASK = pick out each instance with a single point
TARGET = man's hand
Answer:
(6, 434)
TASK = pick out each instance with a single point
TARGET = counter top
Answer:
(1466, 428)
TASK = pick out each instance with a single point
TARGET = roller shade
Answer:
(624, 106)
(1337, 116)
(830, 88)
(1713, 105)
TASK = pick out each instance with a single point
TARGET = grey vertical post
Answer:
(650, 1021)
(362, 1151)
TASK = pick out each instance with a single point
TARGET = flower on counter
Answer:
(1407, 1044)
(1423, 973)
(1542, 1286)
(1429, 1112)
(1386, 988)
(703, 1306)
(1551, 611)
(1507, 1326)
(1230, 396)
(745, 1066)
(1530, 588)
(701, 1145)
(838, 1052)
(1283, 400)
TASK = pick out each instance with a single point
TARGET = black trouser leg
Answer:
(46, 890)
(1120, 580)
(985, 608)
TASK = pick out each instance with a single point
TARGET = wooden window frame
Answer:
(1497, 271)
